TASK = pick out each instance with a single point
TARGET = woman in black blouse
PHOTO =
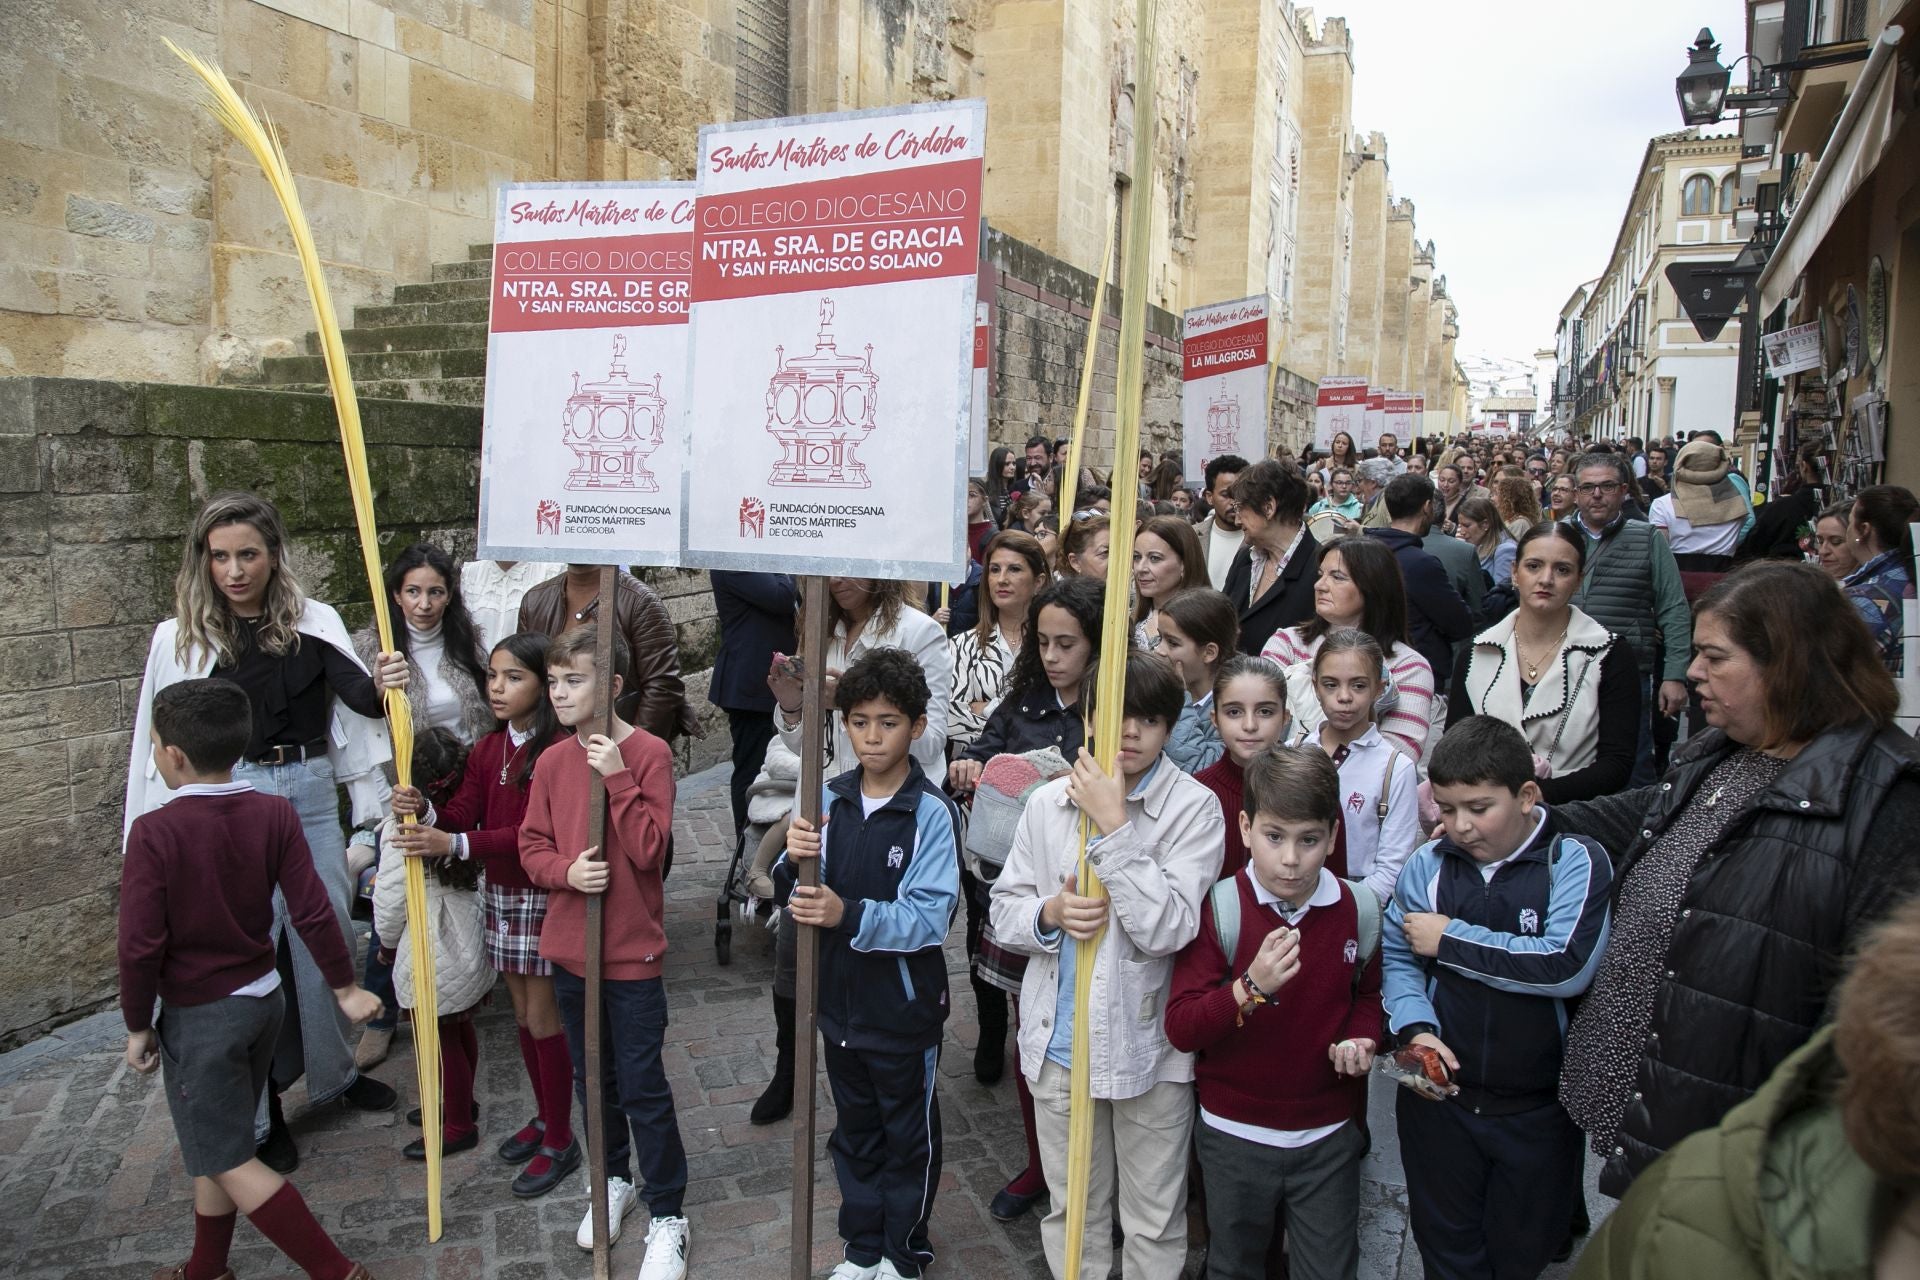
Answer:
(317, 722)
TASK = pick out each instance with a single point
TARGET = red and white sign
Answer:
(586, 373)
(832, 369)
(1223, 389)
(1376, 421)
(1340, 405)
(982, 347)
(1419, 415)
(1398, 417)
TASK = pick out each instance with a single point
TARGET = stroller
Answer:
(745, 890)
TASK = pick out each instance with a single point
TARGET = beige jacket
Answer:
(1561, 720)
(1156, 869)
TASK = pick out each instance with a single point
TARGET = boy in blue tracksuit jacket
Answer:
(889, 886)
(1491, 931)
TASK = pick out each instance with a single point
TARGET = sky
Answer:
(1517, 128)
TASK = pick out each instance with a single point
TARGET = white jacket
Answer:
(920, 636)
(461, 975)
(356, 746)
(1156, 870)
(1561, 720)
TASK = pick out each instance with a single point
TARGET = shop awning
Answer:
(1859, 138)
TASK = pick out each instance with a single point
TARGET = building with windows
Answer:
(1631, 362)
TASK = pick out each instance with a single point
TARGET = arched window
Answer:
(1729, 192)
(1696, 198)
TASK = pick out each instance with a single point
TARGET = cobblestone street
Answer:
(91, 1186)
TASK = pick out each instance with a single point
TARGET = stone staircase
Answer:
(429, 343)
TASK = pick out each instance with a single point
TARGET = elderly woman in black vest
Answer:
(1745, 877)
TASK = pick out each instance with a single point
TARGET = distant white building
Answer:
(1642, 369)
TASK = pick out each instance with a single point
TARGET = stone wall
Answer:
(97, 482)
(1041, 307)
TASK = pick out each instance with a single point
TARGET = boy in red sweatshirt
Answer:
(1285, 1030)
(638, 769)
(196, 931)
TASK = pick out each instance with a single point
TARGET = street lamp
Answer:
(1702, 87)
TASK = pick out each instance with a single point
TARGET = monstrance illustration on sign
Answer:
(820, 407)
(1223, 424)
(612, 427)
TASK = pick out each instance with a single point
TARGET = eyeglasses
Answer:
(1609, 488)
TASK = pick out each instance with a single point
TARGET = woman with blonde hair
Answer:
(241, 615)
(1477, 523)
(1515, 501)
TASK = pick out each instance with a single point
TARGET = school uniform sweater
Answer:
(1228, 780)
(639, 820)
(489, 812)
(196, 899)
(1273, 1071)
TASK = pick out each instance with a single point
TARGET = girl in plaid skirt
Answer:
(482, 822)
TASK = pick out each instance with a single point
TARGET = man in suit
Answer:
(1437, 617)
(756, 613)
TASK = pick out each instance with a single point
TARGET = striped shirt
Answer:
(1408, 720)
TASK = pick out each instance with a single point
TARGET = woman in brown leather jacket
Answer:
(655, 698)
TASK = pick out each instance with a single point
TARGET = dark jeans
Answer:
(886, 1152)
(1490, 1197)
(635, 1096)
(751, 731)
(1644, 774)
(379, 980)
(1314, 1189)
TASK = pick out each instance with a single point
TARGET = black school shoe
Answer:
(278, 1152)
(417, 1149)
(516, 1150)
(561, 1165)
(413, 1116)
(1008, 1205)
(368, 1094)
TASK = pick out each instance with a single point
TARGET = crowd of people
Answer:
(1563, 787)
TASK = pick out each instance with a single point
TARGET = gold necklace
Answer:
(1533, 668)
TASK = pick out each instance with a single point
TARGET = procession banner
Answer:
(1398, 417)
(586, 373)
(1223, 386)
(1376, 419)
(835, 281)
(1340, 405)
(982, 346)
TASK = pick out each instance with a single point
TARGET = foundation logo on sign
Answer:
(546, 517)
(820, 407)
(1223, 423)
(612, 427)
(753, 518)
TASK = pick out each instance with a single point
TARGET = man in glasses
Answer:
(1632, 588)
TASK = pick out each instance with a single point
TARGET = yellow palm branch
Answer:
(227, 107)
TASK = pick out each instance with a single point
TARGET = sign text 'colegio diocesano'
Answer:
(913, 223)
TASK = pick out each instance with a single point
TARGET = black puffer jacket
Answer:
(1767, 924)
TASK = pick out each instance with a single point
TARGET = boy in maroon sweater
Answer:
(638, 769)
(1285, 1031)
(196, 931)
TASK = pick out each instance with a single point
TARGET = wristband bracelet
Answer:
(1253, 988)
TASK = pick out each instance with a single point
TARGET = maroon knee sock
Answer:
(556, 1090)
(1033, 1179)
(456, 1080)
(469, 1038)
(212, 1237)
(530, 1058)
(286, 1220)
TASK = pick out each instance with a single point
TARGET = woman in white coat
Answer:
(240, 615)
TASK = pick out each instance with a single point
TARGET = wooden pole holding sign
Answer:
(597, 839)
(806, 973)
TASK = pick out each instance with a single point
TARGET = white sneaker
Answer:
(853, 1271)
(666, 1250)
(887, 1271)
(621, 1197)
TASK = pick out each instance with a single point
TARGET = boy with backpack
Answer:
(1492, 930)
(1279, 995)
(889, 886)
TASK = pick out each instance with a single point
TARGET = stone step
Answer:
(453, 311)
(477, 269)
(478, 251)
(408, 337)
(468, 391)
(445, 291)
(373, 366)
